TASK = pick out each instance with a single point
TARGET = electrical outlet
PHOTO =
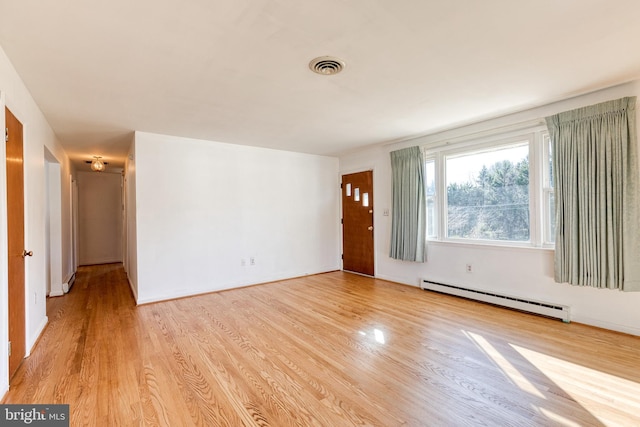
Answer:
(243, 262)
(252, 261)
(468, 268)
(385, 212)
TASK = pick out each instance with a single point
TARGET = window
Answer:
(430, 168)
(548, 200)
(498, 189)
(488, 194)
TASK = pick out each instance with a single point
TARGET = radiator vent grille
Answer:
(544, 308)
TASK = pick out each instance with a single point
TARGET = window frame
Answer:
(534, 137)
(547, 190)
(436, 200)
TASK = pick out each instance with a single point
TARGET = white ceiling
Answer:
(237, 70)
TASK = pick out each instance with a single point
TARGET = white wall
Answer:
(53, 226)
(37, 136)
(525, 272)
(130, 233)
(99, 217)
(202, 207)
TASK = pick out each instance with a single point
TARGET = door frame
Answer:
(4, 256)
(372, 169)
(53, 224)
(5, 219)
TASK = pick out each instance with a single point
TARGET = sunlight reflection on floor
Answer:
(514, 375)
(558, 418)
(589, 387)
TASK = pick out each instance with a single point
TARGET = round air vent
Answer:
(326, 65)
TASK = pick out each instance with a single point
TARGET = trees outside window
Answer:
(492, 203)
(430, 190)
(492, 193)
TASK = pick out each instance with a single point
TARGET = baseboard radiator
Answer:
(66, 287)
(557, 311)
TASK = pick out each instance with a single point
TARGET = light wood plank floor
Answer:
(334, 349)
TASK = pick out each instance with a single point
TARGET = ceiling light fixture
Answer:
(97, 165)
(326, 65)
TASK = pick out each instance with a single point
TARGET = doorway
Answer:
(53, 225)
(357, 223)
(15, 236)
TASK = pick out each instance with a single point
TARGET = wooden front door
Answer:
(357, 223)
(16, 250)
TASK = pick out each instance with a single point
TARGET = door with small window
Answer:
(357, 223)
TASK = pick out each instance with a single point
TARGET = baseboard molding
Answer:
(576, 318)
(41, 328)
(99, 261)
(396, 280)
(58, 293)
(226, 287)
(625, 329)
(133, 290)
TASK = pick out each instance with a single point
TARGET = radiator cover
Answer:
(557, 311)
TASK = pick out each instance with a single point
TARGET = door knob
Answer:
(27, 253)
(370, 227)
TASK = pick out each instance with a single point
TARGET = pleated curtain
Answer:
(595, 170)
(408, 207)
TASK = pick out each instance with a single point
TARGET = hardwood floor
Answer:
(329, 350)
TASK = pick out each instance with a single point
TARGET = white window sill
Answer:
(490, 244)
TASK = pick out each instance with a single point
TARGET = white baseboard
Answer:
(133, 289)
(99, 261)
(577, 318)
(625, 329)
(183, 293)
(396, 280)
(40, 329)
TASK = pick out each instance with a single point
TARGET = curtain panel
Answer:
(408, 206)
(595, 172)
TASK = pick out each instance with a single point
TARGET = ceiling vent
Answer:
(326, 65)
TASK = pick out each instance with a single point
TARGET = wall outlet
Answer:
(468, 268)
(385, 212)
(243, 262)
(252, 261)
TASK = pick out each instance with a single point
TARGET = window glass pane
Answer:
(550, 161)
(488, 194)
(551, 213)
(430, 168)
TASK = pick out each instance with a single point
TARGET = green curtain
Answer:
(595, 167)
(408, 207)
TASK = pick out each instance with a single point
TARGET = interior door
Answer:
(357, 223)
(16, 250)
